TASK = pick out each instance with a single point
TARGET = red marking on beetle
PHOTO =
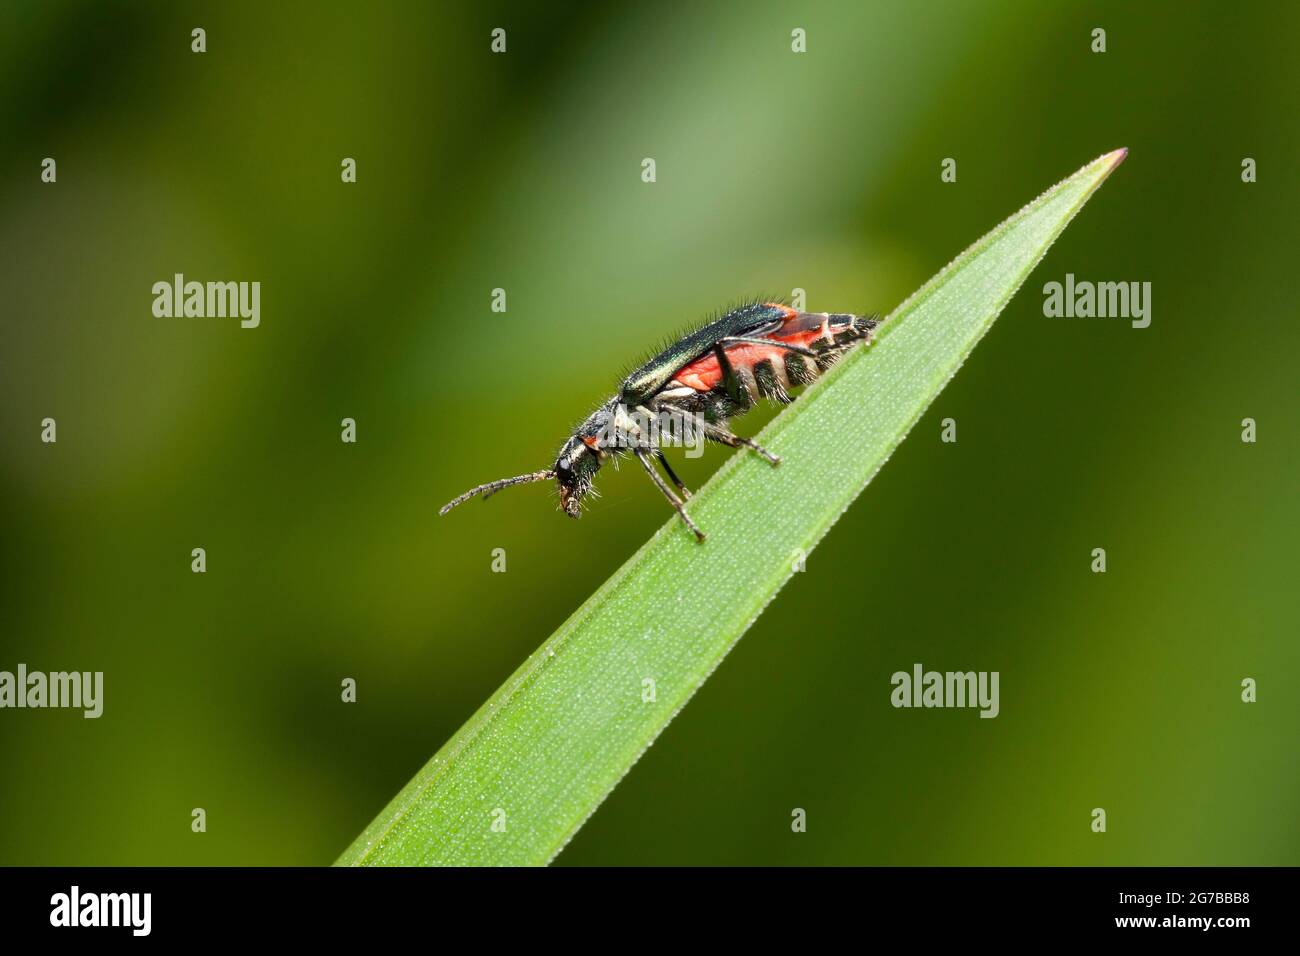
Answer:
(705, 373)
(591, 442)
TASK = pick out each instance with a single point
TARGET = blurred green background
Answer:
(522, 171)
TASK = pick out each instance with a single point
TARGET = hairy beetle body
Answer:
(700, 381)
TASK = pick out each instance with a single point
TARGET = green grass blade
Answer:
(538, 758)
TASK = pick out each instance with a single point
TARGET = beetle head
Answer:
(581, 457)
(575, 466)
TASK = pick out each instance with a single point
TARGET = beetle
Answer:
(700, 381)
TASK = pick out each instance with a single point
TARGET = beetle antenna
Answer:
(492, 487)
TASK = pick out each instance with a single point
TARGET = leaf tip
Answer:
(1113, 159)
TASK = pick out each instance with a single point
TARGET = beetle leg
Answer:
(650, 444)
(730, 380)
(720, 434)
(773, 343)
(644, 457)
(672, 476)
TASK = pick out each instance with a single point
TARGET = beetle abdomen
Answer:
(770, 370)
